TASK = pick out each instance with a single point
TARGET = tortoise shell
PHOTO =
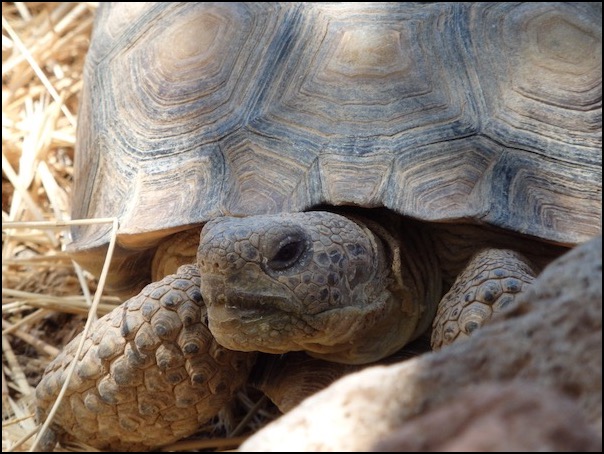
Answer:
(484, 113)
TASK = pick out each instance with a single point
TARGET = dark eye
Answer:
(287, 255)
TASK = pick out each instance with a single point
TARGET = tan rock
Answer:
(514, 417)
(551, 337)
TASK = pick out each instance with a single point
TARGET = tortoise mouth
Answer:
(248, 322)
(250, 307)
(229, 301)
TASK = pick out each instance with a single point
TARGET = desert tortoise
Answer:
(351, 164)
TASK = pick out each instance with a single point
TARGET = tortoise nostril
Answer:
(287, 255)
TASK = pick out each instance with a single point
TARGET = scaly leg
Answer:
(151, 372)
(492, 279)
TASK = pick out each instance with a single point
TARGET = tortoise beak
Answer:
(245, 297)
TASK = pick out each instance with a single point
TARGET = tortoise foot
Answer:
(151, 373)
(492, 280)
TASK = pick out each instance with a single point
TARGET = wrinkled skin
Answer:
(345, 289)
(318, 282)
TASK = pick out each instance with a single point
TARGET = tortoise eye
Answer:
(287, 254)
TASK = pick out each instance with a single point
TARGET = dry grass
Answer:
(46, 298)
(43, 49)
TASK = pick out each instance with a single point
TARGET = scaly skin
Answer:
(341, 288)
(151, 372)
(317, 281)
(492, 280)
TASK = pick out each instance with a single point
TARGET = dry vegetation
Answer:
(43, 48)
(45, 296)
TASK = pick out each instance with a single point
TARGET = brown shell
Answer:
(473, 112)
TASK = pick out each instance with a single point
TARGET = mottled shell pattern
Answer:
(458, 112)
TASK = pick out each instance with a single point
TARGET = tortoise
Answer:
(322, 178)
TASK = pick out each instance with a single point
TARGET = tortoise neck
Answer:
(414, 266)
(416, 282)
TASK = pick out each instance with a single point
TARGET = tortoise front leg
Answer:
(151, 372)
(492, 279)
(290, 378)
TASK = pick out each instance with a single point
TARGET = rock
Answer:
(513, 417)
(551, 337)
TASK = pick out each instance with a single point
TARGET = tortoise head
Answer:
(315, 281)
